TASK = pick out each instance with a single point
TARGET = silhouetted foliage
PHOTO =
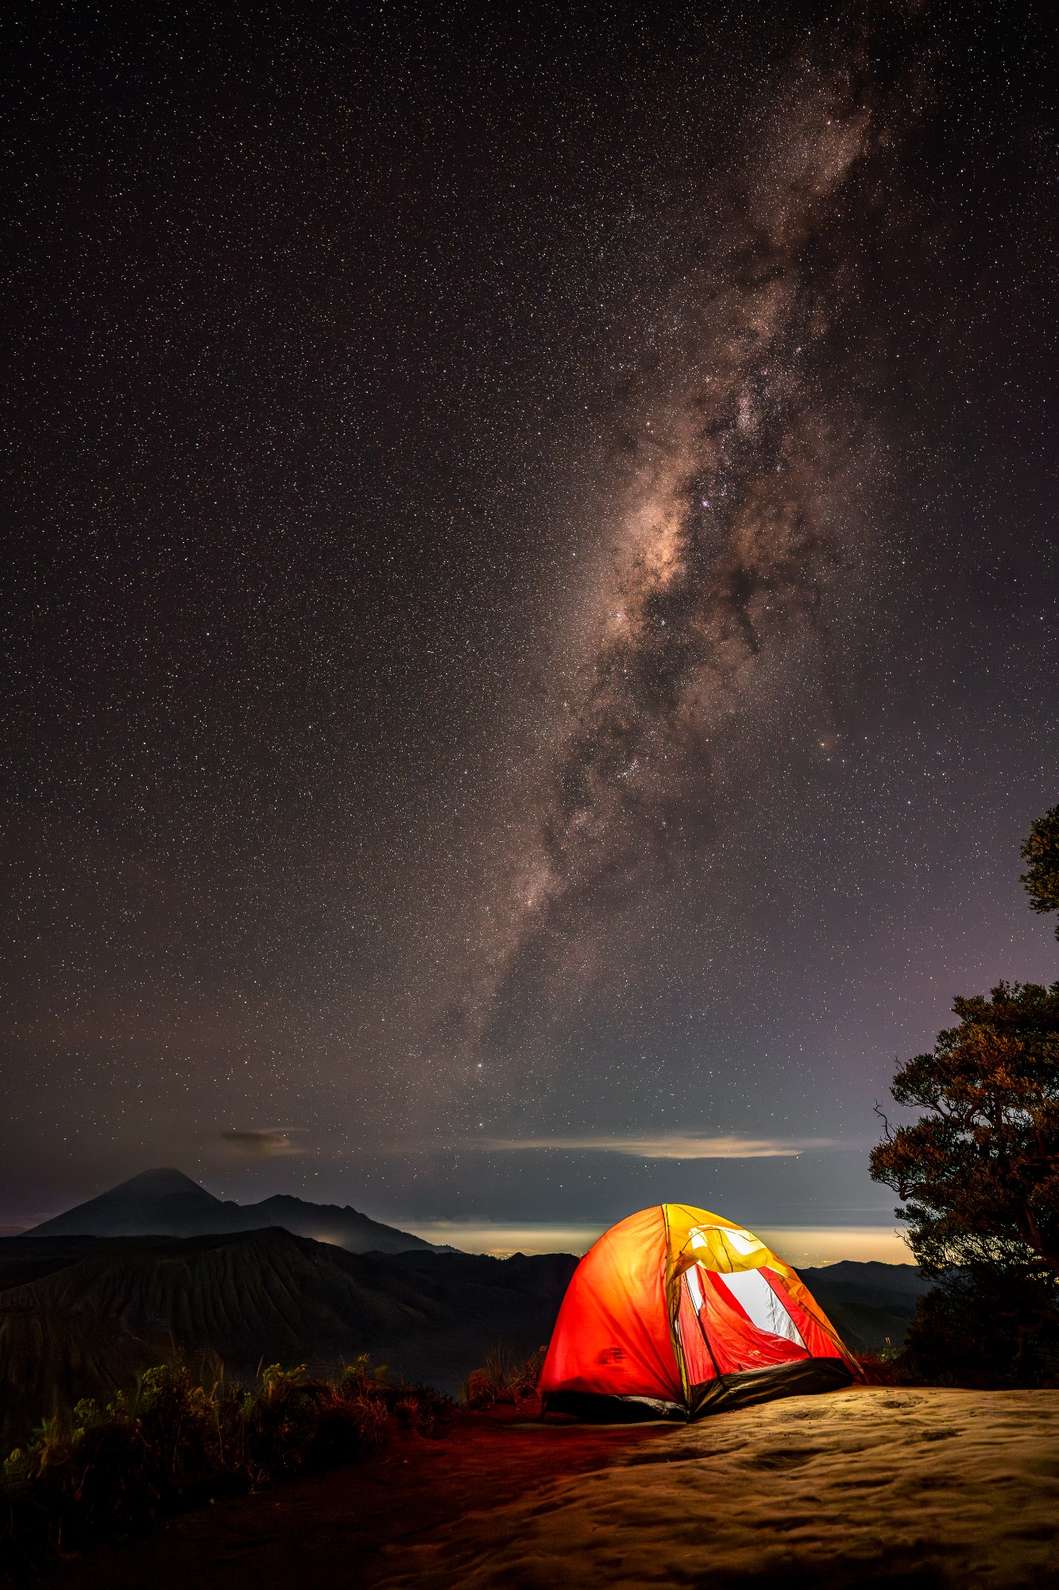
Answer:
(884, 1368)
(504, 1378)
(115, 1468)
(979, 1172)
(985, 1327)
(1041, 855)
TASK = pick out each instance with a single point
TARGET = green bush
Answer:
(100, 1470)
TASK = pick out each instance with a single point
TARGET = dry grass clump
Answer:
(105, 1469)
(505, 1378)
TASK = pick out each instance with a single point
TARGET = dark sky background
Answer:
(533, 593)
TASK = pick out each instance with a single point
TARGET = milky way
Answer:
(533, 592)
(727, 579)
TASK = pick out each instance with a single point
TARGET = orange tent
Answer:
(677, 1312)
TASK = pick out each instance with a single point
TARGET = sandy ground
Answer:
(870, 1486)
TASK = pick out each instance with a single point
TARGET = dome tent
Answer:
(676, 1312)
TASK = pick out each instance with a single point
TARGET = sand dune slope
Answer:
(868, 1486)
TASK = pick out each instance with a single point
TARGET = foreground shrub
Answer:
(504, 1378)
(115, 1468)
(883, 1368)
(80, 1477)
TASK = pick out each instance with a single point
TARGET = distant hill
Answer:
(80, 1317)
(168, 1203)
(898, 1281)
(868, 1303)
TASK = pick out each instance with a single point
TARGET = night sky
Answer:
(533, 594)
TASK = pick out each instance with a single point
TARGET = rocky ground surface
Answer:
(870, 1486)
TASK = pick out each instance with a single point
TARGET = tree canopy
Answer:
(979, 1172)
(1041, 855)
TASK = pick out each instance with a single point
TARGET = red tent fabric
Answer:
(677, 1311)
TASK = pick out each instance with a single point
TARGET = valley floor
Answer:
(871, 1486)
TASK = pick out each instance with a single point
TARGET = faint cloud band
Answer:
(265, 1142)
(684, 1147)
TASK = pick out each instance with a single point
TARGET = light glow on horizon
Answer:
(798, 1245)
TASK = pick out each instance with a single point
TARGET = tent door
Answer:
(733, 1322)
(699, 1362)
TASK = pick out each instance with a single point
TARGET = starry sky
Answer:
(532, 601)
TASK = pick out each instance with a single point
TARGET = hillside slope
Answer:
(102, 1313)
(869, 1303)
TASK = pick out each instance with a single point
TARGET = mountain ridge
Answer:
(84, 1316)
(166, 1202)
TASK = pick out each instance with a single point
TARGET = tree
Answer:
(1041, 855)
(979, 1172)
(985, 1327)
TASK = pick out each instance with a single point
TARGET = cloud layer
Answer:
(661, 1146)
(265, 1142)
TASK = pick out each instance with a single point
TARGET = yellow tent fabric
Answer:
(682, 1310)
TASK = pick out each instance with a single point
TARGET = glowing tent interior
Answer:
(677, 1312)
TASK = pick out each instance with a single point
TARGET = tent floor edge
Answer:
(804, 1378)
(597, 1408)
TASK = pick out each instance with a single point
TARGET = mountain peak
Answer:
(155, 1202)
(165, 1202)
(165, 1182)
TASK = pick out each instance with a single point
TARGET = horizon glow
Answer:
(798, 1245)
